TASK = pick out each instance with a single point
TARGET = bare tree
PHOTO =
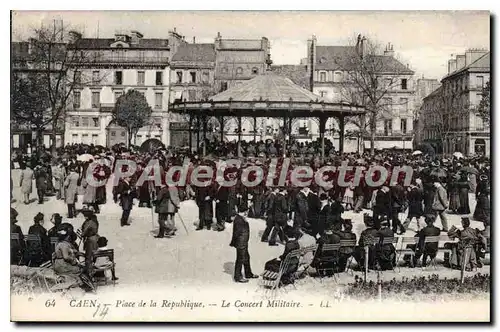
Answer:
(484, 105)
(449, 107)
(369, 79)
(56, 63)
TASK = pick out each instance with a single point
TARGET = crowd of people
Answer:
(297, 216)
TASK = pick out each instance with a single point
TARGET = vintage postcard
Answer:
(189, 166)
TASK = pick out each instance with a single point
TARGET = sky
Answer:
(424, 40)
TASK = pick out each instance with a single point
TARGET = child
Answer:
(104, 262)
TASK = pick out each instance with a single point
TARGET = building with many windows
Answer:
(332, 71)
(114, 66)
(424, 87)
(451, 120)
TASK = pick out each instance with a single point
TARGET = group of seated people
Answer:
(381, 254)
(65, 256)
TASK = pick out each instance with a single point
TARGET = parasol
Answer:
(469, 169)
(151, 145)
(439, 172)
(85, 157)
(458, 154)
(416, 153)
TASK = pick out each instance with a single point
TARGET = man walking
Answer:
(440, 204)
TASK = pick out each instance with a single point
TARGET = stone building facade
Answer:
(114, 66)
(451, 120)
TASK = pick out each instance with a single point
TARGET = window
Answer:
(78, 77)
(140, 78)
(95, 77)
(337, 76)
(224, 70)
(76, 122)
(322, 76)
(95, 139)
(404, 128)
(239, 71)
(85, 121)
(74, 138)
(158, 100)
(404, 84)
(192, 74)
(179, 76)
(118, 77)
(480, 82)
(76, 99)
(322, 93)
(388, 83)
(118, 95)
(255, 70)
(113, 133)
(95, 122)
(205, 77)
(388, 127)
(96, 96)
(223, 86)
(387, 103)
(159, 78)
(192, 95)
(404, 104)
(122, 134)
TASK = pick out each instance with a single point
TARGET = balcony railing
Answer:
(127, 59)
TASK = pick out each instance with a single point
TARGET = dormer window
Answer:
(119, 46)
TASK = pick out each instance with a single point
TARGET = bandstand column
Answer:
(197, 133)
(254, 129)
(342, 129)
(190, 131)
(205, 120)
(285, 131)
(322, 126)
(239, 137)
(221, 121)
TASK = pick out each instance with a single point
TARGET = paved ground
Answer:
(198, 259)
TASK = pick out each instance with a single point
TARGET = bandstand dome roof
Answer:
(270, 87)
(266, 95)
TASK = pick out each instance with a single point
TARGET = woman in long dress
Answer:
(463, 194)
(453, 191)
(482, 212)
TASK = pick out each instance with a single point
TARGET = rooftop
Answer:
(195, 52)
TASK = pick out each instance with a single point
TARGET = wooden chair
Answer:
(110, 254)
(443, 239)
(328, 254)
(404, 250)
(427, 240)
(389, 240)
(34, 245)
(16, 244)
(53, 243)
(348, 244)
(271, 279)
(304, 251)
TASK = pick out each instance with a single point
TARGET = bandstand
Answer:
(267, 96)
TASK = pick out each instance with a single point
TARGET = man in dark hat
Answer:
(241, 235)
(38, 252)
(383, 206)
(57, 219)
(330, 236)
(386, 255)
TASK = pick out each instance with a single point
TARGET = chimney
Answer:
(218, 36)
(452, 65)
(472, 55)
(460, 61)
(194, 40)
(311, 57)
(389, 50)
(175, 30)
(364, 47)
(74, 36)
(135, 37)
